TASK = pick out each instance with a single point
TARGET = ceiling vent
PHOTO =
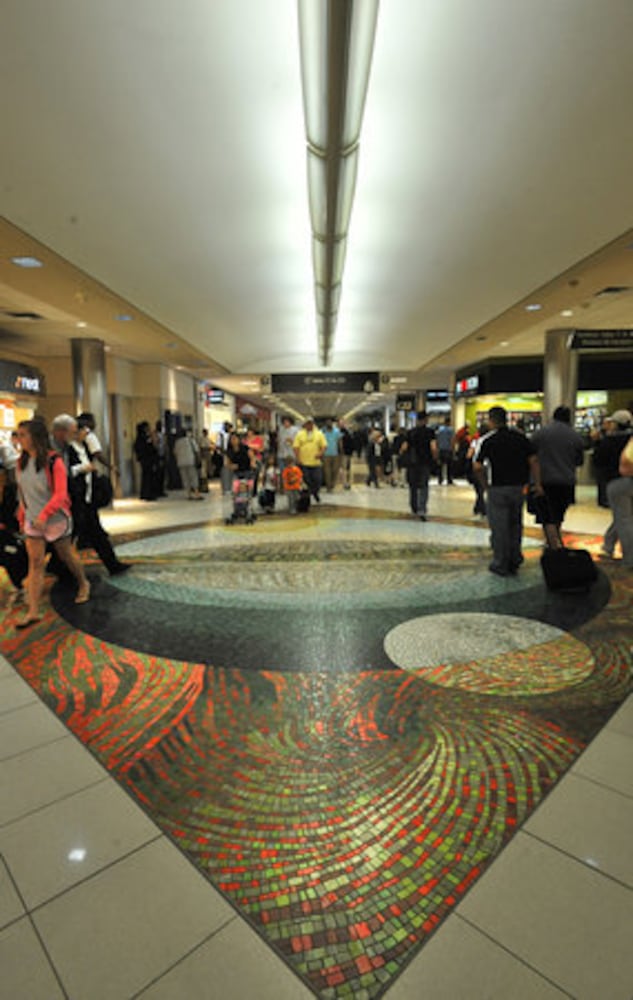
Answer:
(28, 316)
(612, 290)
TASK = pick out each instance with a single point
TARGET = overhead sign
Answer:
(21, 379)
(610, 340)
(437, 395)
(405, 402)
(467, 386)
(214, 396)
(326, 382)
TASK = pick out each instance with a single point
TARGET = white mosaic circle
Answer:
(489, 653)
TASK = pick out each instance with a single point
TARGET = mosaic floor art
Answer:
(341, 727)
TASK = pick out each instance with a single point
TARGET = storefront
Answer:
(219, 407)
(605, 384)
(20, 388)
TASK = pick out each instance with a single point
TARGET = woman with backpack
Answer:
(44, 514)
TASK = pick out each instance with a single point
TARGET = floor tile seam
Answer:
(183, 958)
(519, 958)
(577, 776)
(26, 915)
(16, 708)
(601, 784)
(578, 861)
(61, 798)
(94, 874)
(36, 746)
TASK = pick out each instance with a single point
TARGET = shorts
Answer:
(52, 531)
(551, 508)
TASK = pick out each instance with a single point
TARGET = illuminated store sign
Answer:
(21, 380)
(405, 402)
(215, 396)
(467, 386)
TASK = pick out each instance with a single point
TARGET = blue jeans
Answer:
(418, 476)
(505, 517)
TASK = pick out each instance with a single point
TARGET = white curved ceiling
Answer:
(160, 147)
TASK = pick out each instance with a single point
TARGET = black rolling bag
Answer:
(303, 502)
(13, 557)
(568, 570)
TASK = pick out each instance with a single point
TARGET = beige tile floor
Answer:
(95, 903)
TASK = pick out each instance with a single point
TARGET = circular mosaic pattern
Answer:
(440, 648)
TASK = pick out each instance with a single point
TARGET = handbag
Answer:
(102, 492)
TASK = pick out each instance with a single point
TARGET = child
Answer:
(271, 484)
(292, 478)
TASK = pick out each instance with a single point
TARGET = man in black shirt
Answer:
(507, 460)
(421, 451)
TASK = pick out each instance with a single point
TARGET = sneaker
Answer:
(423, 517)
(120, 568)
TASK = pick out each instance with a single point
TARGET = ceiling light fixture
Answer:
(533, 307)
(337, 41)
(503, 343)
(82, 326)
(567, 312)
(26, 262)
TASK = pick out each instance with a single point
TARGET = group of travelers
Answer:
(51, 489)
(52, 483)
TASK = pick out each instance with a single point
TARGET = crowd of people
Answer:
(51, 489)
(53, 482)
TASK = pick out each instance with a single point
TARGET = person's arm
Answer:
(535, 474)
(59, 495)
(626, 459)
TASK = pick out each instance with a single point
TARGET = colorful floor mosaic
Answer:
(337, 757)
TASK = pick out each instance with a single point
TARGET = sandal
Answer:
(29, 620)
(83, 595)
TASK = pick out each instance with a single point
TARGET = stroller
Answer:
(243, 489)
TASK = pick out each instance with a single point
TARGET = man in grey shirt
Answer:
(560, 451)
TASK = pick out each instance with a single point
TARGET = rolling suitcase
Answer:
(303, 502)
(568, 570)
(13, 557)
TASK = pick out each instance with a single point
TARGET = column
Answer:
(89, 384)
(560, 373)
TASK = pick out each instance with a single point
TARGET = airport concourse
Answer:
(316, 501)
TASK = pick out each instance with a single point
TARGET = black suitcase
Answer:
(568, 569)
(13, 557)
(303, 501)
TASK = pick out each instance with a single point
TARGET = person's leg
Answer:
(497, 519)
(99, 539)
(423, 490)
(36, 551)
(449, 467)
(610, 539)
(412, 478)
(620, 496)
(68, 556)
(515, 526)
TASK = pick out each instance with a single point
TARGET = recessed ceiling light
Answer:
(504, 343)
(107, 347)
(533, 307)
(567, 312)
(26, 262)
(124, 318)
(82, 326)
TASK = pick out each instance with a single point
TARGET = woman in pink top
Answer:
(44, 514)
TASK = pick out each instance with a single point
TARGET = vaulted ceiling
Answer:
(160, 148)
